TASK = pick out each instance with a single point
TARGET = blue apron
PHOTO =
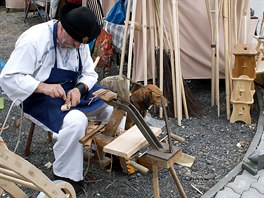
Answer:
(46, 109)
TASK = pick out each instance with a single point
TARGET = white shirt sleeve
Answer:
(16, 77)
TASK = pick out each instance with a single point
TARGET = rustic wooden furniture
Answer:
(243, 76)
(159, 155)
(16, 170)
(30, 137)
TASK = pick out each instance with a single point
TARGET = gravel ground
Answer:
(212, 140)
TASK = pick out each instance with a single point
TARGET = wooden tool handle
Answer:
(178, 138)
(91, 134)
(141, 168)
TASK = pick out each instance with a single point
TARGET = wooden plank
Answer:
(129, 142)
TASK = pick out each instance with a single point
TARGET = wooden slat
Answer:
(129, 142)
(106, 95)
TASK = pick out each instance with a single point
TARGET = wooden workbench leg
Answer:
(177, 182)
(155, 181)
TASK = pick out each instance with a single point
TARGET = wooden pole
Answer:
(240, 19)
(152, 42)
(182, 91)
(172, 61)
(217, 91)
(227, 72)
(131, 41)
(245, 11)
(123, 52)
(214, 25)
(161, 49)
(177, 58)
(235, 20)
(209, 14)
(230, 42)
(145, 54)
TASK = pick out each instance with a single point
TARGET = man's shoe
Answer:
(78, 186)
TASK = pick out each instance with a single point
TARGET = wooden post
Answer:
(227, 71)
(217, 92)
(172, 61)
(145, 54)
(214, 24)
(152, 42)
(177, 59)
(131, 41)
(161, 48)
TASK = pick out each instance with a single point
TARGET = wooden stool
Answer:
(245, 63)
(155, 160)
(242, 99)
(243, 76)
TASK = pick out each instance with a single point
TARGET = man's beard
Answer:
(66, 45)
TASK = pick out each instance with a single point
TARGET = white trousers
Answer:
(67, 150)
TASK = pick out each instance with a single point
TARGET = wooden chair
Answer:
(30, 137)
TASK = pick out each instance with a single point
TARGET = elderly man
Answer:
(50, 65)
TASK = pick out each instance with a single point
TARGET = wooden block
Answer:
(102, 140)
(129, 142)
(241, 112)
(148, 161)
(245, 49)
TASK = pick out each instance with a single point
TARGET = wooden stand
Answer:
(132, 141)
(156, 160)
(243, 83)
(109, 132)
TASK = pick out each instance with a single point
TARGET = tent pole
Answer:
(131, 40)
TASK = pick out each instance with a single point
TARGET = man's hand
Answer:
(74, 96)
(52, 90)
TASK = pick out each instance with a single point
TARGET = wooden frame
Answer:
(16, 170)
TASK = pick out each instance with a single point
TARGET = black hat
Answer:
(79, 22)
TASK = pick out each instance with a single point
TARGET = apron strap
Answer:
(80, 62)
(55, 28)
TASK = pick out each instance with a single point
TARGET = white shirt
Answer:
(34, 57)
